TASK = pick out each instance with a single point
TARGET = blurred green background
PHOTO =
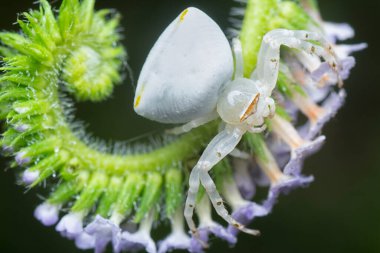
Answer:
(340, 212)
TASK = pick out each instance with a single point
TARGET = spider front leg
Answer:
(193, 124)
(218, 148)
(238, 56)
(268, 62)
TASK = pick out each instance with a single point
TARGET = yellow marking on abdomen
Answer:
(138, 99)
(183, 14)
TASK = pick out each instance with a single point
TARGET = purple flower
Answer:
(298, 155)
(29, 177)
(102, 230)
(176, 240)
(200, 241)
(85, 241)
(330, 107)
(71, 225)
(345, 50)
(243, 179)
(133, 241)
(285, 185)
(22, 128)
(47, 213)
(21, 159)
(338, 31)
(7, 149)
(137, 241)
(245, 215)
(207, 226)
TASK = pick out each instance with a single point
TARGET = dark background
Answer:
(340, 212)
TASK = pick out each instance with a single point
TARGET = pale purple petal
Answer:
(331, 106)
(258, 176)
(321, 71)
(47, 214)
(246, 214)
(136, 241)
(174, 241)
(318, 94)
(280, 150)
(335, 31)
(119, 243)
(284, 187)
(29, 177)
(294, 165)
(85, 241)
(222, 233)
(344, 50)
(345, 67)
(22, 128)
(103, 231)
(71, 225)
(21, 159)
(7, 149)
(243, 179)
(199, 242)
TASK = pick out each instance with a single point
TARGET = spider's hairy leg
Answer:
(218, 148)
(193, 124)
(238, 55)
(268, 64)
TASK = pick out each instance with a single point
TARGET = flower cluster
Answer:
(118, 199)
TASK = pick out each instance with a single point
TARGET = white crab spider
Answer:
(190, 77)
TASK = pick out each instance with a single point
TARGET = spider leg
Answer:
(239, 61)
(217, 149)
(257, 129)
(268, 63)
(193, 124)
(217, 202)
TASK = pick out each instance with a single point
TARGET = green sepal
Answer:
(25, 46)
(129, 193)
(256, 144)
(45, 147)
(18, 63)
(15, 139)
(280, 111)
(6, 52)
(91, 193)
(287, 87)
(66, 190)
(87, 13)
(173, 190)
(109, 197)
(31, 108)
(51, 24)
(14, 94)
(258, 14)
(222, 173)
(290, 16)
(49, 166)
(151, 195)
(41, 36)
(68, 18)
(20, 78)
